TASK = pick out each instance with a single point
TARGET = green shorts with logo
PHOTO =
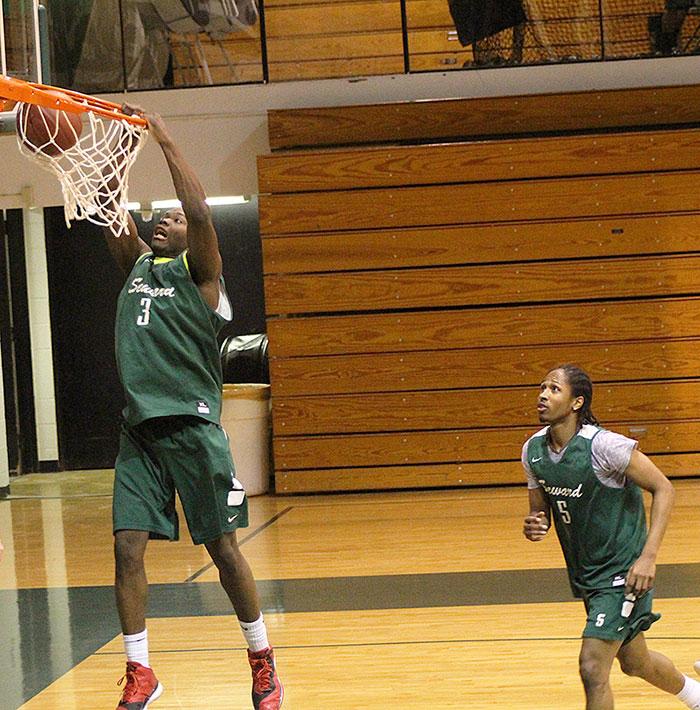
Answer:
(605, 620)
(187, 455)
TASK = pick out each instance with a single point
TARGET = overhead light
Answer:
(212, 201)
(133, 206)
(165, 204)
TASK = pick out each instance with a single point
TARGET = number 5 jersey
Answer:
(598, 513)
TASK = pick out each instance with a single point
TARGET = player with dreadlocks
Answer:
(590, 481)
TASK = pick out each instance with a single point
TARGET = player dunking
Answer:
(590, 481)
(169, 312)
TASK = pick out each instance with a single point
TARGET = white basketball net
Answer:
(94, 172)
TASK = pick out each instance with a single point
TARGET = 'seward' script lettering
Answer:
(137, 286)
(565, 492)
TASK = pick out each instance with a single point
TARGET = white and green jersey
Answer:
(166, 348)
(598, 513)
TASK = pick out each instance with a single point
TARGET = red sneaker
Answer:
(141, 689)
(267, 690)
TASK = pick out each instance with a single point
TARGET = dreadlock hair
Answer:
(581, 386)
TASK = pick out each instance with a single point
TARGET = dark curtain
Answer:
(477, 20)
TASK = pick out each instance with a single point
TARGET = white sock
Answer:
(136, 647)
(255, 634)
(690, 695)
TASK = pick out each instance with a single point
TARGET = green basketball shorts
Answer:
(185, 454)
(605, 620)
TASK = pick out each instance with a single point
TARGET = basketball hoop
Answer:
(93, 164)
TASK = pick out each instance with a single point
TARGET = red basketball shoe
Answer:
(267, 690)
(141, 689)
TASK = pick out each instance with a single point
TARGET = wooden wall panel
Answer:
(479, 161)
(555, 324)
(473, 408)
(198, 60)
(458, 119)
(334, 68)
(520, 241)
(457, 445)
(398, 477)
(417, 295)
(323, 18)
(333, 38)
(437, 44)
(313, 49)
(330, 4)
(426, 13)
(649, 193)
(481, 367)
(540, 282)
(438, 475)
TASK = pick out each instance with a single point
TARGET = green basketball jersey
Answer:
(601, 528)
(166, 347)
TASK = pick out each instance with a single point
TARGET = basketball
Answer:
(48, 130)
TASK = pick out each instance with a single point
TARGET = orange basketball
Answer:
(48, 130)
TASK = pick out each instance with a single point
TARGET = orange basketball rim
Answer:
(14, 90)
(93, 168)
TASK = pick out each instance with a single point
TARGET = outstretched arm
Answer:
(203, 245)
(642, 471)
(126, 248)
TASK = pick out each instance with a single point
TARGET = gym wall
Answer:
(418, 291)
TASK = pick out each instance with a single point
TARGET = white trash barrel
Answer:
(245, 415)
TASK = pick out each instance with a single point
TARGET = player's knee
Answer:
(225, 554)
(593, 673)
(128, 552)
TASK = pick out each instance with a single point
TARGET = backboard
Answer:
(23, 47)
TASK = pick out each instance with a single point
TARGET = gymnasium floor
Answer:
(404, 600)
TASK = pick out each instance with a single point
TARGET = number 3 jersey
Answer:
(597, 512)
(166, 348)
